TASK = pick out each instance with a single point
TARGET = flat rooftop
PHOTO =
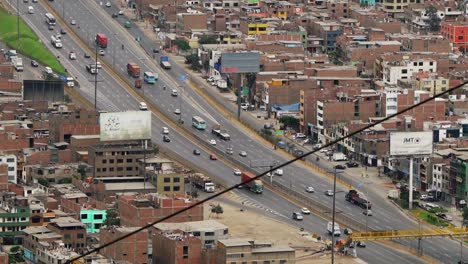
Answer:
(206, 225)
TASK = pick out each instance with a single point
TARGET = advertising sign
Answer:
(240, 62)
(125, 125)
(410, 143)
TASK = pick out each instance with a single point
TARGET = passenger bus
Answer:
(50, 19)
(149, 77)
(198, 123)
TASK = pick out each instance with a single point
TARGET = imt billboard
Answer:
(240, 62)
(410, 143)
(125, 125)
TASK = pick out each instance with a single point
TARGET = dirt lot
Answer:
(258, 226)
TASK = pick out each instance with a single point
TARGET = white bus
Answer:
(50, 19)
(198, 122)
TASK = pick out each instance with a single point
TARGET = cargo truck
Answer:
(164, 61)
(101, 40)
(18, 63)
(255, 186)
(216, 130)
(91, 68)
(353, 197)
(56, 42)
(133, 70)
(338, 156)
(203, 182)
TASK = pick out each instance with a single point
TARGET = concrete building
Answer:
(169, 178)
(93, 219)
(72, 231)
(394, 70)
(176, 247)
(431, 83)
(35, 238)
(455, 32)
(133, 249)
(250, 251)
(397, 6)
(11, 162)
(14, 216)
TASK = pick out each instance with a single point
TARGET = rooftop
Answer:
(205, 225)
(67, 222)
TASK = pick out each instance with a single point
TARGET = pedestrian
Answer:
(274, 147)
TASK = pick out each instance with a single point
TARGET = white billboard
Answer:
(410, 143)
(125, 125)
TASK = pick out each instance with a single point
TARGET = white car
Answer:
(279, 172)
(108, 4)
(177, 111)
(99, 66)
(300, 135)
(244, 106)
(329, 193)
(305, 211)
(243, 154)
(102, 52)
(165, 130)
(367, 212)
(212, 142)
(121, 12)
(73, 22)
(237, 172)
(72, 55)
(310, 189)
(174, 92)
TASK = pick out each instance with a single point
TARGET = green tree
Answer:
(43, 181)
(193, 60)
(434, 19)
(82, 171)
(208, 39)
(217, 209)
(465, 215)
(290, 121)
(112, 218)
(182, 44)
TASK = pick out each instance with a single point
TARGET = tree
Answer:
(217, 209)
(194, 62)
(182, 44)
(434, 19)
(208, 39)
(194, 194)
(43, 181)
(465, 215)
(290, 121)
(82, 171)
(112, 218)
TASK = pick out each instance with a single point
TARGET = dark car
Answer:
(213, 157)
(34, 63)
(352, 164)
(166, 139)
(51, 27)
(114, 15)
(196, 152)
(63, 32)
(340, 167)
(86, 55)
(155, 50)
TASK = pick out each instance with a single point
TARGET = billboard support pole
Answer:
(410, 205)
(239, 92)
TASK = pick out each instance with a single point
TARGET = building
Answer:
(397, 6)
(14, 216)
(169, 178)
(11, 161)
(250, 251)
(431, 83)
(37, 237)
(133, 249)
(391, 70)
(72, 231)
(177, 247)
(455, 32)
(93, 219)
(208, 231)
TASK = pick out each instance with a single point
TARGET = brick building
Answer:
(176, 247)
(72, 231)
(79, 122)
(250, 251)
(133, 249)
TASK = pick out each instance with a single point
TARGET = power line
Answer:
(266, 172)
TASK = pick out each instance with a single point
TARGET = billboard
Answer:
(125, 125)
(43, 90)
(240, 62)
(410, 143)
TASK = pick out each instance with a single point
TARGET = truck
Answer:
(133, 70)
(353, 197)
(164, 61)
(333, 229)
(18, 63)
(203, 182)
(255, 186)
(216, 130)
(101, 40)
(338, 156)
(56, 42)
(91, 68)
(394, 194)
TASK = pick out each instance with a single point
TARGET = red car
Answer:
(213, 157)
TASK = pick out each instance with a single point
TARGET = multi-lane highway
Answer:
(92, 19)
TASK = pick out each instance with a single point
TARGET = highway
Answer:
(112, 97)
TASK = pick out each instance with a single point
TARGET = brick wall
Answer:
(132, 249)
(170, 251)
(3, 177)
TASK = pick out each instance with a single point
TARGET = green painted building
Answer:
(458, 176)
(14, 217)
(93, 219)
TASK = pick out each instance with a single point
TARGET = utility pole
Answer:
(95, 78)
(18, 24)
(333, 218)
(239, 93)
(265, 164)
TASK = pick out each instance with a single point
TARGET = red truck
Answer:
(133, 70)
(101, 40)
(255, 186)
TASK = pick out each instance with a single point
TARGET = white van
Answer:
(31, 10)
(336, 231)
(143, 106)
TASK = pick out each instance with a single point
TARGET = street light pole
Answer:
(95, 78)
(333, 218)
(18, 24)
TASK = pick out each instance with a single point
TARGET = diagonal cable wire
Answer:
(266, 172)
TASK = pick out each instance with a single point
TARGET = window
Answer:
(185, 250)
(11, 168)
(176, 179)
(119, 168)
(431, 63)
(420, 63)
(104, 161)
(119, 160)
(129, 160)
(67, 236)
(129, 168)
(209, 233)
(196, 233)
(167, 188)
(167, 179)
(111, 161)
(97, 216)
(225, 231)
(10, 160)
(404, 71)
(97, 226)
(176, 188)
(80, 235)
(84, 216)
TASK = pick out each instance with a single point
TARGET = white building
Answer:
(11, 161)
(393, 71)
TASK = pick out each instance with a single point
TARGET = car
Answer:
(34, 1)
(229, 150)
(73, 22)
(310, 189)
(279, 172)
(360, 244)
(155, 50)
(99, 66)
(86, 55)
(174, 93)
(34, 63)
(72, 55)
(243, 154)
(63, 32)
(245, 106)
(212, 142)
(348, 231)
(166, 139)
(237, 172)
(423, 197)
(114, 15)
(329, 193)
(367, 212)
(51, 27)
(165, 130)
(108, 4)
(340, 167)
(305, 211)
(25, 1)
(102, 52)
(213, 157)
(297, 216)
(177, 111)
(196, 152)
(143, 106)
(300, 135)
(352, 164)
(446, 217)
(121, 12)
